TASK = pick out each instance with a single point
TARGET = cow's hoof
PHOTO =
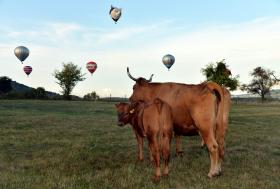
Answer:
(215, 174)
(166, 176)
(179, 154)
(139, 160)
(152, 162)
(156, 179)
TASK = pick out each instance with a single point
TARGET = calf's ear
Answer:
(132, 111)
(116, 105)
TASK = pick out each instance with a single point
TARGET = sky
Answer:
(197, 32)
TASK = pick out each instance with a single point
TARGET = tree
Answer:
(220, 74)
(263, 80)
(91, 96)
(5, 84)
(68, 78)
(40, 93)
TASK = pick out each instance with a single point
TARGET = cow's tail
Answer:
(220, 128)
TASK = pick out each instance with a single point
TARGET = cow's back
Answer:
(182, 99)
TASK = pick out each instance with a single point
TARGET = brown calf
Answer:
(151, 120)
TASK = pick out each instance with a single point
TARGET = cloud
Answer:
(125, 33)
(54, 34)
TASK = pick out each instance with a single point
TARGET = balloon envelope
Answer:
(91, 66)
(168, 60)
(21, 53)
(115, 13)
(27, 69)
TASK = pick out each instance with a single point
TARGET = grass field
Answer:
(58, 144)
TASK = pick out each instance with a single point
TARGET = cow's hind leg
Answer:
(202, 144)
(152, 161)
(212, 145)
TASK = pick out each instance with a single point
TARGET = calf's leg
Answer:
(166, 140)
(154, 148)
(139, 139)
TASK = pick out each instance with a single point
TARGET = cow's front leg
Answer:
(179, 151)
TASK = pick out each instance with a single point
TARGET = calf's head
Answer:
(123, 113)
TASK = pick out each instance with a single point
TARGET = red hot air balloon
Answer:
(91, 66)
(27, 70)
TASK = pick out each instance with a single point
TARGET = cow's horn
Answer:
(151, 78)
(130, 76)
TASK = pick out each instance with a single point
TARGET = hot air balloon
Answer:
(168, 60)
(21, 53)
(115, 13)
(27, 70)
(91, 66)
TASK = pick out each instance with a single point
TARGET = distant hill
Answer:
(113, 99)
(20, 88)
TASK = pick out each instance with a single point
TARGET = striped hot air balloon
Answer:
(27, 70)
(91, 66)
(21, 53)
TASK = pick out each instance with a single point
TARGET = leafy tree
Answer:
(68, 78)
(40, 93)
(220, 74)
(263, 80)
(91, 96)
(5, 84)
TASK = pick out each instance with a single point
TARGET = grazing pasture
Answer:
(59, 144)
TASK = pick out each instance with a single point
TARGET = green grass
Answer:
(58, 144)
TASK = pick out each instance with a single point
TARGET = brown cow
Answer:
(190, 105)
(152, 120)
(227, 104)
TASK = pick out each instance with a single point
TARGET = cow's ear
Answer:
(116, 105)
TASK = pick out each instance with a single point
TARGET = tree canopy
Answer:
(262, 82)
(68, 78)
(91, 96)
(5, 84)
(220, 74)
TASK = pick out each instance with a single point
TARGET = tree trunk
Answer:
(262, 98)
